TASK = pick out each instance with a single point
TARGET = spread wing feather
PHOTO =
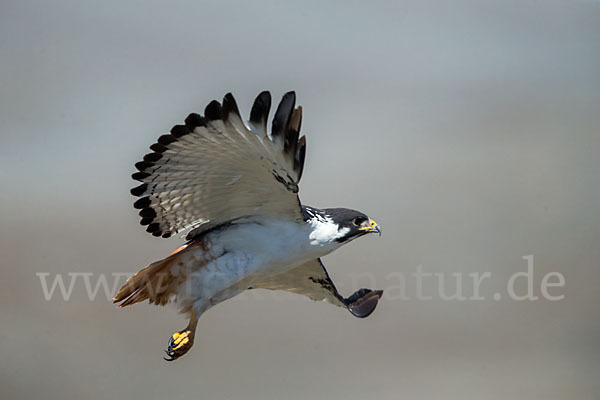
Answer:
(215, 168)
(312, 280)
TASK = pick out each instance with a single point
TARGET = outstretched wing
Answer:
(312, 280)
(216, 168)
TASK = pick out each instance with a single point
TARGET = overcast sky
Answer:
(469, 130)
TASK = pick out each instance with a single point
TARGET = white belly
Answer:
(245, 253)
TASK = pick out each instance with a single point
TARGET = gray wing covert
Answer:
(216, 168)
(312, 280)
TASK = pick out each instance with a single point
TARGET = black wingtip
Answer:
(142, 202)
(176, 132)
(194, 120)
(363, 302)
(139, 190)
(158, 148)
(291, 94)
(212, 111)
(260, 109)
(300, 156)
(147, 213)
(143, 165)
(229, 106)
(283, 114)
(168, 139)
(140, 176)
(290, 141)
(152, 157)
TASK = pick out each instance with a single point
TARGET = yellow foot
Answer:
(180, 343)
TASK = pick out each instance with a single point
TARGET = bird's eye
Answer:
(358, 221)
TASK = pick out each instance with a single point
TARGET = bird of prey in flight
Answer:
(234, 188)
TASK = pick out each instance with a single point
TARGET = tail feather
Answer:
(151, 283)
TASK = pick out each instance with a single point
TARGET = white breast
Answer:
(274, 246)
(246, 252)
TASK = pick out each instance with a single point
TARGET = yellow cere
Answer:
(368, 227)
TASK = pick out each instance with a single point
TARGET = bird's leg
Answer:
(181, 342)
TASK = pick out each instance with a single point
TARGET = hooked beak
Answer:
(371, 228)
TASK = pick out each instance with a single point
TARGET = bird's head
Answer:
(351, 223)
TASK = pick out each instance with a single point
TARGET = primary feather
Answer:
(215, 169)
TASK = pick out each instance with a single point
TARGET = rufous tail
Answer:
(155, 283)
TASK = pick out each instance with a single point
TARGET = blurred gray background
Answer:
(469, 130)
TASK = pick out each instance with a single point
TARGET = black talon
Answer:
(170, 352)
